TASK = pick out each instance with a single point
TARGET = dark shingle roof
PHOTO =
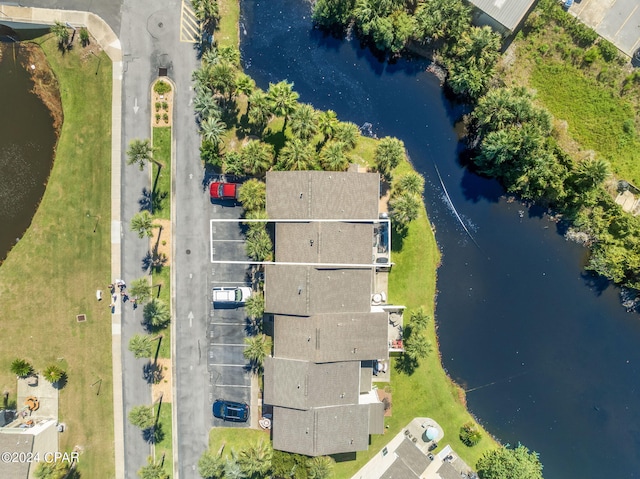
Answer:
(332, 337)
(329, 430)
(336, 243)
(16, 442)
(412, 456)
(399, 470)
(303, 385)
(507, 12)
(306, 290)
(322, 195)
(447, 471)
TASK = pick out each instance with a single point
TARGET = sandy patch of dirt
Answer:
(163, 388)
(161, 107)
(161, 241)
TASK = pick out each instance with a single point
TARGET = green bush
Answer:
(608, 50)
(158, 105)
(470, 435)
(590, 56)
(162, 88)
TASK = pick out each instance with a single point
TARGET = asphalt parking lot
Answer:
(616, 20)
(228, 374)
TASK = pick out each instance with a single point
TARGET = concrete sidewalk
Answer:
(110, 43)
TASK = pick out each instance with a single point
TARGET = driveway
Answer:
(616, 20)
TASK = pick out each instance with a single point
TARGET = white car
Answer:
(237, 295)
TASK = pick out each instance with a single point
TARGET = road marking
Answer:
(135, 106)
(190, 28)
(627, 19)
(230, 365)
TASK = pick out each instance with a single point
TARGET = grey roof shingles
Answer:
(412, 456)
(507, 12)
(322, 431)
(18, 442)
(332, 337)
(303, 385)
(307, 290)
(322, 195)
(335, 243)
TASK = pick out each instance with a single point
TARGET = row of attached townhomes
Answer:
(331, 325)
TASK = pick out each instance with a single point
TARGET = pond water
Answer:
(547, 354)
(27, 141)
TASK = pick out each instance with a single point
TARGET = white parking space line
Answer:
(626, 20)
(228, 365)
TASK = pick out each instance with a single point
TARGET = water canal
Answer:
(27, 140)
(548, 356)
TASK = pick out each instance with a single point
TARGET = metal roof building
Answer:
(506, 13)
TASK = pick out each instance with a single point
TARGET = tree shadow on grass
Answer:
(151, 201)
(154, 434)
(60, 383)
(405, 364)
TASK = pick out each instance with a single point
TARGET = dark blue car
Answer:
(231, 411)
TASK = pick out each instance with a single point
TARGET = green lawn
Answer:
(162, 279)
(163, 447)
(234, 439)
(53, 273)
(227, 33)
(162, 182)
(596, 116)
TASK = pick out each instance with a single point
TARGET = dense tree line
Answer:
(469, 53)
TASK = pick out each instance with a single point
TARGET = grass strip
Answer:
(162, 178)
(53, 273)
(227, 32)
(161, 279)
(163, 449)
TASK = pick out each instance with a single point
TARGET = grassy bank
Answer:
(163, 448)
(581, 82)
(53, 273)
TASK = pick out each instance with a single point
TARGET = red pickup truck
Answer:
(224, 191)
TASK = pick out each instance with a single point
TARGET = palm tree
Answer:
(417, 346)
(255, 460)
(142, 417)
(258, 245)
(21, 367)
(592, 172)
(259, 109)
(211, 56)
(232, 470)
(347, 133)
(205, 10)
(142, 223)
(258, 348)
(205, 105)
(255, 306)
(332, 156)
(156, 314)
(61, 32)
(53, 373)
(141, 345)
(223, 79)
(245, 85)
(297, 155)
(140, 289)
(404, 209)
(139, 152)
(253, 195)
(389, 153)
(412, 183)
(283, 100)
(212, 130)
(304, 121)
(257, 157)
(203, 78)
(320, 467)
(153, 470)
(419, 319)
(327, 123)
(211, 466)
(233, 164)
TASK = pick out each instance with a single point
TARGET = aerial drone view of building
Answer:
(351, 239)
